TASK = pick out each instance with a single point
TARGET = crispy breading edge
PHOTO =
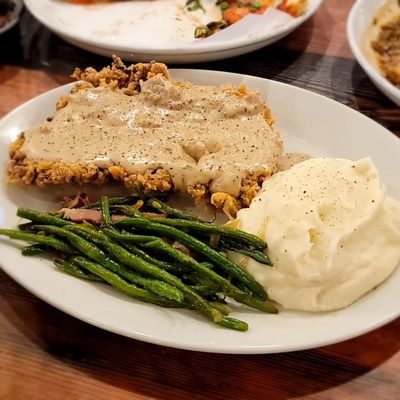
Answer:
(43, 173)
(118, 76)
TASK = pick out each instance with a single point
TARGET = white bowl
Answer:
(361, 16)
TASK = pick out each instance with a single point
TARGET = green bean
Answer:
(133, 261)
(41, 239)
(204, 290)
(207, 264)
(221, 244)
(88, 225)
(233, 323)
(200, 247)
(139, 190)
(231, 245)
(158, 244)
(25, 226)
(123, 286)
(42, 218)
(235, 234)
(130, 211)
(105, 212)
(96, 254)
(34, 250)
(254, 254)
(171, 212)
(168, 266)
(73, 270)
(114, 201)
(144, 267)
(229, 289)
(266, 306)
(199, 280)
(222, 308)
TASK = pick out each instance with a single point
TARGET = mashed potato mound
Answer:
(332, 232)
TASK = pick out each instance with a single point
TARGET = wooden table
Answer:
(46, 354)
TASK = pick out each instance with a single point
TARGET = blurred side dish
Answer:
(231, 10)
(383, 41)
(234, 10)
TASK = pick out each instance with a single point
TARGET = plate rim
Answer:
(228, 349)
(242, 350)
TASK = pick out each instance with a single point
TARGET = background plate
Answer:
(112, 28)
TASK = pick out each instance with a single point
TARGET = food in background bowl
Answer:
(233, 11)
(382, 41)
(333, 234)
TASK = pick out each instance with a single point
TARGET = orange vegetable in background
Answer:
(293, 8)
(232, 15)
(261, 10)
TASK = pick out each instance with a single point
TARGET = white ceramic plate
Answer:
(309, 123)
(360, 18)
(145, 30)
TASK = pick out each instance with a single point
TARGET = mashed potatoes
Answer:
(333, 234)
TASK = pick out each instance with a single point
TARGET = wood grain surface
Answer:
(46, 354)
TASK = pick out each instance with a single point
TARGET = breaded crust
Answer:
(21, 170)
(41, 174)
(44, 173)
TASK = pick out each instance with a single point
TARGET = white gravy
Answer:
(199, 134)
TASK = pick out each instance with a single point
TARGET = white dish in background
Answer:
(15, 18)
(315, 125)
(102, 30)
(360, 18)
